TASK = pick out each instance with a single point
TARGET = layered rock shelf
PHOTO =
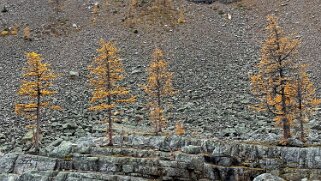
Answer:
(161, 158)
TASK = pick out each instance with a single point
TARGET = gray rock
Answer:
(56, 142)
(136, 70)
(242, 129)
(192, 161)
(128, 168)
(8, 177)
(225, 161)
(176, 142)
(85, 163)
(228, 132)
(4, 147)
(52, 145)
(190, 149)
(64, 149)
(26, 163)
(37, 175)
(99, 128)
(137, 141)
(70, 125)
(28, 136)
(2, 136)
(267, 177)
(270, 163)
(272, 137)
(139, 118)
(188, 105)
(84, 145)
(7, 163)
(295, 142)
(73, 74)
(157, 142)
(222, 150)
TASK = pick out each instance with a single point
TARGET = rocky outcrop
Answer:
(162, 158)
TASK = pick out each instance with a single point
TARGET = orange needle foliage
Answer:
(105, 73)
(158, 87)
(275, 72)
(282, 84)
(35, 88)
(27, 33)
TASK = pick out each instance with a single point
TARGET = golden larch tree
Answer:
(106, 71)
(158, 87)
(305, 99)
(36, 93)
(276, 69)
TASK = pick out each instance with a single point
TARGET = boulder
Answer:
(191, 149)
(160, 143)
(195, 162)
(137, 141)
(295, 142)
(2, 136)
(176, 142)
(28, 136)
(136, 70)
(70, 125)
(267, 177)
(73, 74)
(63, 150)
(4, 9)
